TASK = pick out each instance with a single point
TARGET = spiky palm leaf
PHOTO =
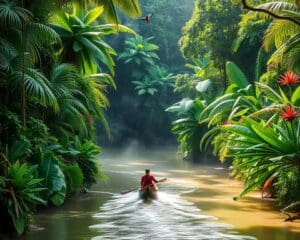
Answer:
(278, 6)
(281, 34)
(261, 153)
(12, 15)
(37, 87)
(71, 117)
(27, 35)
(278, 33)
(129, 7)
(81, 35)
(139, 51)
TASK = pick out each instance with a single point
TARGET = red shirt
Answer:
(147, 180)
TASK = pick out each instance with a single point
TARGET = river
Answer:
(194, 203)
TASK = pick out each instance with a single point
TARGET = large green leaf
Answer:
(93, 14)
(296, 97)
(54, 179)
(18, 221)
(270, 137)
(224, 106)
(235, 75)
(130, 7)
(114, 28)
(232, 88)
(206, 111)
(243, 131)
(74, 177)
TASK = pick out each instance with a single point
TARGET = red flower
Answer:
(289, 113)
(288, 78)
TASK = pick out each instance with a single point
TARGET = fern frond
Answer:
(278, 32)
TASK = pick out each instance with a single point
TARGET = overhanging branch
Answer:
(246, 6)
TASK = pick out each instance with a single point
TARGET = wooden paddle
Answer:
(136, 188)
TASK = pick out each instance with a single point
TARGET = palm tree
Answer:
(21, 42)
(140, 51)
(80, 99)
(72, 112)
(157, 79)
(82, 38)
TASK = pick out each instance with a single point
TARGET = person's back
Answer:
(147, 179)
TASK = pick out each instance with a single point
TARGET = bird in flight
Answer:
(147, 18)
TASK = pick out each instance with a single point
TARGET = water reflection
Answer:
(167, 217)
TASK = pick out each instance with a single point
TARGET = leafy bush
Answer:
(19, 193)
(261, 153)
(24, 194)
(38, 133)
(288, 187)
(84, 155)
(11, 127)
(187, 127)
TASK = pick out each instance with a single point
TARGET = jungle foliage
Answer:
(55, 67)
(235, 87)
(145, 82)
(251, 119)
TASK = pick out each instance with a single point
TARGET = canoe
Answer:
(148, 192)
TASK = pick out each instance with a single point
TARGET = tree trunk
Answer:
(23, 104)
(23, 93)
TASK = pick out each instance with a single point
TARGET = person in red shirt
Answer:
(148, 180)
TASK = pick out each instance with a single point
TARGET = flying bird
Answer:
(147, 18)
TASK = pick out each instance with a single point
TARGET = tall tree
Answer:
(211, 30)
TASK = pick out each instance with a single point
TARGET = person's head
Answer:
(147, 171)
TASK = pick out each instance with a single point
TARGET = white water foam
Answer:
(167, 217)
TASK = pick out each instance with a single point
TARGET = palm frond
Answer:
(13, 15)
(129, 7)
(278, 32)
(278, 6)
(63, 79)
(37, 87)
(8, 53)
(103, 78)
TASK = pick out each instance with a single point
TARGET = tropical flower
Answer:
(288, 78)
(289, 113)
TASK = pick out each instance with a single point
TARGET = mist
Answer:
(135, 117)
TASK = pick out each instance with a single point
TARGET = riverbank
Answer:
(259, 216)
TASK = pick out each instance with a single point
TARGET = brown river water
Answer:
(194, 203)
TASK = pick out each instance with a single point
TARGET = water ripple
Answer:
(167, 217)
